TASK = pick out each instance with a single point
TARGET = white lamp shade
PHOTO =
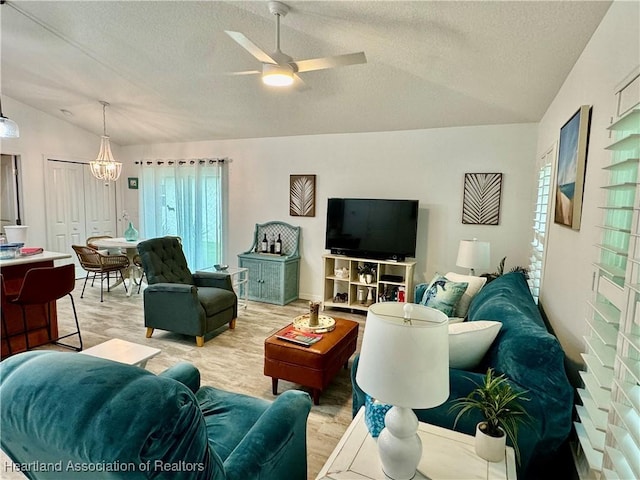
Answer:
(405, 364)
(8, 128)
(473, 254)
(277, 75)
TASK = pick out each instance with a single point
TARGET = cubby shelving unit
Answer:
(382, 288)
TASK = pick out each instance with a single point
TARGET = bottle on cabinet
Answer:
(272, 243)
(265, 244)
(278, 248)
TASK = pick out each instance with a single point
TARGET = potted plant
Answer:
(366, 271)
(500, 406)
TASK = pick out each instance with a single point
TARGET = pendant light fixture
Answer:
(105, 167)
(8, 128)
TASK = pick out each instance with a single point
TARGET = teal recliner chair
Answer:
(67, 415)
(179, 301)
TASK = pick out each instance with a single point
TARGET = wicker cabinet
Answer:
(273, 278)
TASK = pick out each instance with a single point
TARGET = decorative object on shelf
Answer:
(473, 254)
(366, 272)
(370, 298)
(302, 195)
(105, 167)
(8, 128)
(341, 272)
(220, 268)
(133, 183)
(389, 370)
(131, 234)
(481, 200)
(500, 405)
(325, 324)
(341, 297)
(572, 162)
(361, 295)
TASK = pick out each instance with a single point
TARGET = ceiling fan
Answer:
(278, 68)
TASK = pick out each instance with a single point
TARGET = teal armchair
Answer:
(72, 416)
(179, 301)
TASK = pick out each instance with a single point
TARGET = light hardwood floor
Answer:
(232, 360)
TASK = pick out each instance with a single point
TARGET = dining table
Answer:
(130, 249)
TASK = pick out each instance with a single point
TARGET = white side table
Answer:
(123, 352)
(239, 280)
(446, 455)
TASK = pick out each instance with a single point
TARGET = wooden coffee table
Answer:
(313, 366)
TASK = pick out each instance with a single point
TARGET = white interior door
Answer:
(78, 206)
(100, 205)
(8, 194)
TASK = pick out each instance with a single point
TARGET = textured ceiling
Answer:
(163, 65)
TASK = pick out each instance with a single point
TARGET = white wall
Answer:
(43, 136)
(427, 165)
(612, 53)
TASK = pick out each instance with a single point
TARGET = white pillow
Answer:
(469, 342)
(475, 284)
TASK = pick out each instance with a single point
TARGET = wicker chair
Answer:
(96, 262)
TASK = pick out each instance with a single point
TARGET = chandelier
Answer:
(8, 128)
(105, 167)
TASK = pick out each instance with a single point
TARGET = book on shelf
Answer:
(306, 339)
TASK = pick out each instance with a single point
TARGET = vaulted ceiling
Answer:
(163, 65)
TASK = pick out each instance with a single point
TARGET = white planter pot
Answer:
(490, 448)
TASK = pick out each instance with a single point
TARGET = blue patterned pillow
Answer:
(443, 294)
(374, 413)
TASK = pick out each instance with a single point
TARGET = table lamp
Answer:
(404, 362)
(473, 254)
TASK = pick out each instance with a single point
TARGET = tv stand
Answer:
(341, 277)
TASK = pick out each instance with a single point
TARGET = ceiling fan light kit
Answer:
(278, 68)
(105, 167)
(277, 75)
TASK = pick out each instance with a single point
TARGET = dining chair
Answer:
(43, 286)
(93, 261)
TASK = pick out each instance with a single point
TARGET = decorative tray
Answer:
(325, 324)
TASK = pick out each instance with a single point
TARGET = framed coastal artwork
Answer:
(572, 163)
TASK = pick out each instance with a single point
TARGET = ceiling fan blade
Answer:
(250, 47)
(246, 72)
(330, 62)
(299, 84)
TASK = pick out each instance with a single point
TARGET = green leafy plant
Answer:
(500, 406)
(500, 271)
(367, 269)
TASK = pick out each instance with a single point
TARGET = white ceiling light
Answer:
(8, 128)
(277, 75)
(105, 167)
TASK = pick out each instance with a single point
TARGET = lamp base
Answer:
(399, 446)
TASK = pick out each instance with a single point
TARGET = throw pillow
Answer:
(374, 413)
(443, 294)
(475, 284)
(470, 341)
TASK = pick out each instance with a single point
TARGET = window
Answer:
(185, 199)
(540, 215)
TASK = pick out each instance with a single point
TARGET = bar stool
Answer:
(41, 286)
(5, 330)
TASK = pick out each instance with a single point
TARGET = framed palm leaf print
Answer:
(481, 201)
(302, 195)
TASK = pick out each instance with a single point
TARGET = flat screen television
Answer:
(372, 228)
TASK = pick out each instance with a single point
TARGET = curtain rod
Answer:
(192, 161)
